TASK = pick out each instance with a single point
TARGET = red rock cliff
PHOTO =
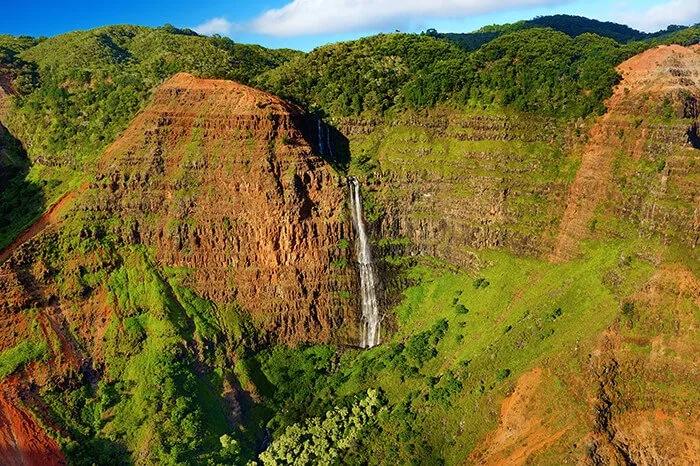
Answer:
(220, 178)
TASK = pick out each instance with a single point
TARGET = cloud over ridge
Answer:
(311, 17)
(685, 12)
(214, 26)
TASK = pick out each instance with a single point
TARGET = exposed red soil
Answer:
(650, 76)
(659, 438)
(522, 430)
(50, 217)
(658, 71)
(23, 441)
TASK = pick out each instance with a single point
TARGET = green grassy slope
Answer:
(463, 341)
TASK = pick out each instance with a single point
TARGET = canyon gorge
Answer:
(520, 287)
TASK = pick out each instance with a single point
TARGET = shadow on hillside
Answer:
(329, 143)
(694, 136)
(339, 158)
(22, 200)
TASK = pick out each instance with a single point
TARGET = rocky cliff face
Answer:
(640, 162)
(221, 183)
(454, 183)
(222, 180)
(451, 183)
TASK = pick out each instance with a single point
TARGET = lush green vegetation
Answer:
(449, 368)
(324, 440)
(534, 70)
(572, 26)
(151, 400)
(92, 83)
(364, 75)
(462, 340)
(27, 351)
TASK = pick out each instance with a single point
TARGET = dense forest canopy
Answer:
(532, 69)
(568, 24)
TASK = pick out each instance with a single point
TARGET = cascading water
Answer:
(325, 144)
(321, 139)
(371, 322)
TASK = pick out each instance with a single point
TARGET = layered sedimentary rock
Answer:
(640, 162)
(451, 183)
(222, 180)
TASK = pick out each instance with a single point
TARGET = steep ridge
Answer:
(222, 182)
(589, 188)
(522, 430)
(50, 217)
(216, 191)
(220, 179)
(22, 441)
(664, 79)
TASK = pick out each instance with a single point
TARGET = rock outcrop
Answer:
(451, 183)
(222, 180)
(651, 123)
(22, 440)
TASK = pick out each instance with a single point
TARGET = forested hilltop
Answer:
(191, 294)
(73, 94)
(534, 69)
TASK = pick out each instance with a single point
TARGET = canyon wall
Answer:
(223, 186)
(222, 180)
(452, 182)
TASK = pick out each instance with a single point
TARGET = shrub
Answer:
(480, 283)
(24, 353)
(555, 314)
(503, 374)
(628, 310)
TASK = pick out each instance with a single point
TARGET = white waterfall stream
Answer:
(371, 322)
(321, 139)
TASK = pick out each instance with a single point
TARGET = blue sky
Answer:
(305, 24)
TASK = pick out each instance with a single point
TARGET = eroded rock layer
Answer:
(221, 179)
(640, 161)
(451, 183)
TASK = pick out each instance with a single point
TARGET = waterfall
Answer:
(329, 143)
(324, 137)
(320, 137)
(370, 324)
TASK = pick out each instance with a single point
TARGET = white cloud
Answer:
(310, 17)
(659, 16)
(214, 26)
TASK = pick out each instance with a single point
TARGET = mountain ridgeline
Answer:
(405, 249)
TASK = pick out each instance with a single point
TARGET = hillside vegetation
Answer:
(538, 70)
(75, 93)
(572, 26)
(196, 305)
